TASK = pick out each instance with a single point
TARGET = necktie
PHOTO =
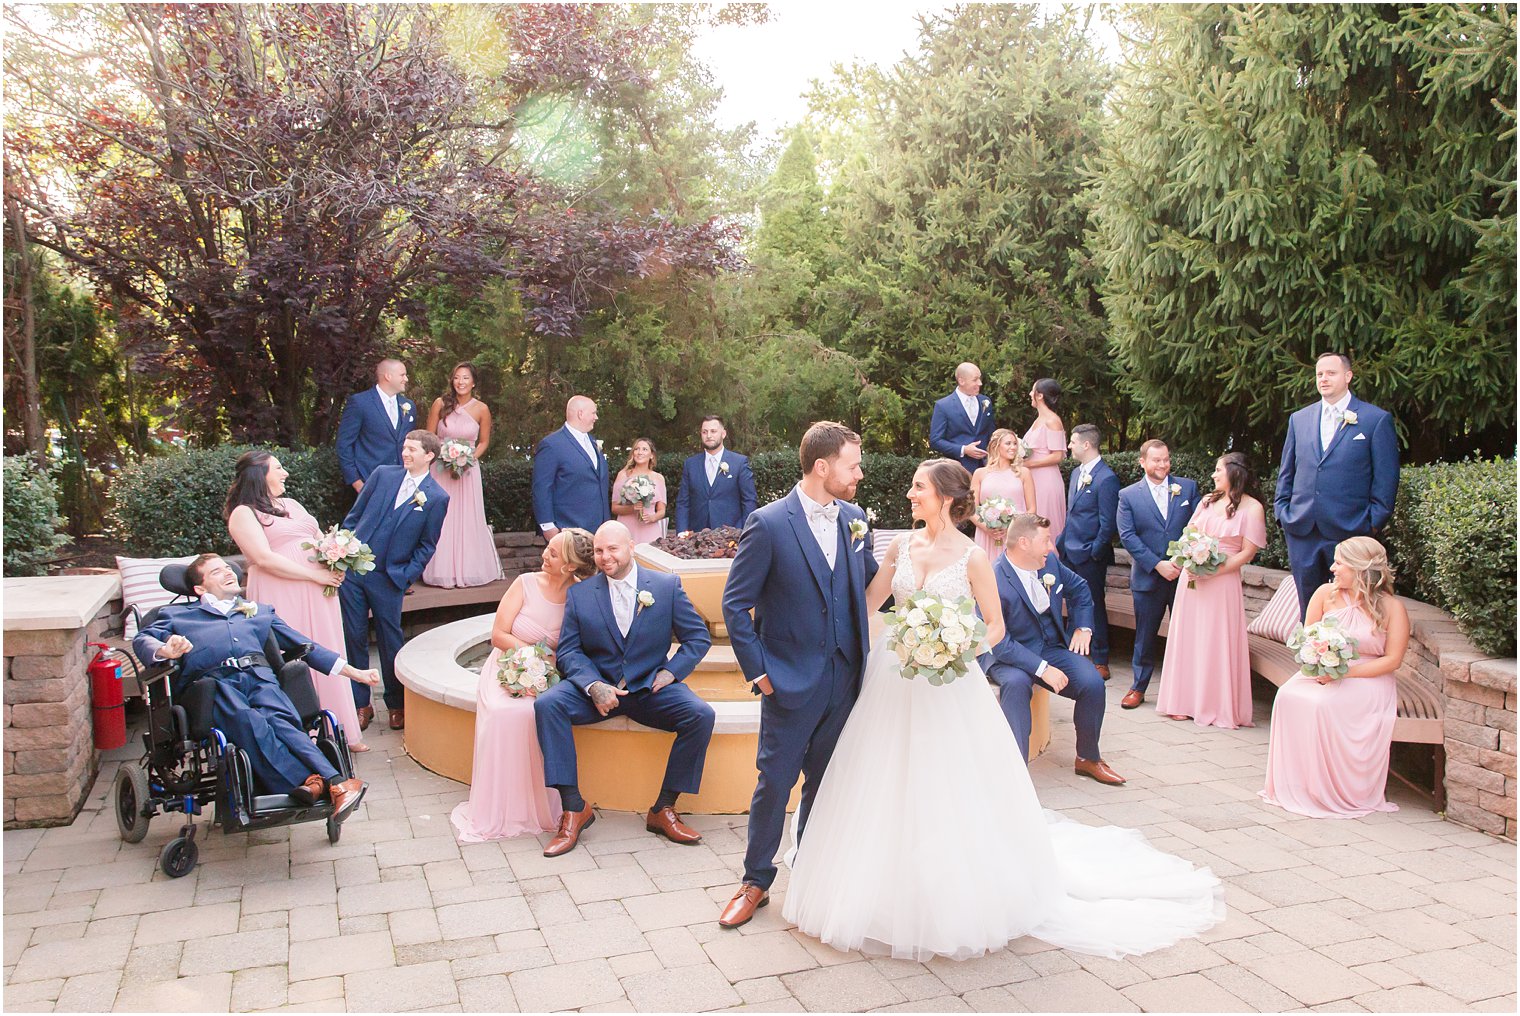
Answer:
(1037, 594)
(408, 488)
(712, 470)
(623, 607)
(970, 404)
(1329, 422)
(390, 409)
(1158, 491)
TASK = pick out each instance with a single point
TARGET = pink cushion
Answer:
(1280, 616)
(140, 588)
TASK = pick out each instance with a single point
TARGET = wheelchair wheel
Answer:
(130, 794)
(334, 829)
(179, 857)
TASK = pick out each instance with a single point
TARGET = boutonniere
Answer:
(986, 404)
(419, 499)
(858, 529)
(723, 468)
(1176, 489)
(1048, 579)
(1348, 418)
(246, 607)
(1083, 481)
(598, 444)
(646, 599)
(406, 407)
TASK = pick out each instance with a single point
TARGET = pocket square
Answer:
(1360, 437)
(1060, 587)
(859, 546)
(1184, 504)
(417, 508)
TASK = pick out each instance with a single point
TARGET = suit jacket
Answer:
(592, 649)
(216, 637)
(366, 438)
(403, 538)
(727, 502)
(782, 576)
(1348, 490)
(1091, 518)
(950, 429)
(568, 489)
(1024, 643)
(1145, 534)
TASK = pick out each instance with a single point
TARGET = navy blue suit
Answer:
(366, 438)
(1087, 542)
(1145, 535)
(591, 649)
(1326, 496)
(809, 636)
(568, 488)
(250, 708)
(726, 502)
(1033, 638)
(950, 429)
(403, 540)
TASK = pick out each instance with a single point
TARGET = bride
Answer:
(927, 838)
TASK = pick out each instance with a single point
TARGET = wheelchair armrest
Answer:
(196, 699)
(298, 651)
(295, 680)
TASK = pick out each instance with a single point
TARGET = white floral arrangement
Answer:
(1196, 553)
(935, 638)
(996, 512)
(527, 671)
(640, 490)
(1323, 649)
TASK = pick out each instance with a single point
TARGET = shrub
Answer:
(32, 522)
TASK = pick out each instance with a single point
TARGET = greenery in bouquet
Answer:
(339, 550)
(1323, 649)
(638, 489)
(1196, 553)
(457, 456)
(527, 671)
(935, 638)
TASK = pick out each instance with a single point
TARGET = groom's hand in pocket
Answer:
(605, 697)
(763, 684)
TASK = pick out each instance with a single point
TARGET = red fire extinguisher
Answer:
(109, 699)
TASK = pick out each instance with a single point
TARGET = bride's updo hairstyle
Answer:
(951, 481)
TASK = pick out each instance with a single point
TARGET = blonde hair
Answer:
(576, 549)
(653, 455)
(995, 442)
(1374, 575)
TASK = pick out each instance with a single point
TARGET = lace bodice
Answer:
(950, 582)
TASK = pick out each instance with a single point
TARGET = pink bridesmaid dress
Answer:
(507, 792)
(466, 553)
(304, 608)
(1206, 673)
(1007, 484)
(1328, 754)
(1049, 487)
(643, 532)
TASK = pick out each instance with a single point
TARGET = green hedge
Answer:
(31, 518)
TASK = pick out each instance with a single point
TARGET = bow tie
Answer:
(828, 513)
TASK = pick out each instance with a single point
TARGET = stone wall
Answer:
(520, 552)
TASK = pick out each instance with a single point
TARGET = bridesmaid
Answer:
(507, 792)
(645, 525)
(1047, 447)
(1328, 755)
(466, 553)
(1206, 674)
(1003, 476)
(269, 529)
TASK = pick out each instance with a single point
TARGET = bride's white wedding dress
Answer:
(927, 837)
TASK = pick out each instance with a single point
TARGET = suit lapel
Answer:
(638, 611)
(1018, 584)
(804, 533)
(602, 594)
(1340, 431)
(1057, 601)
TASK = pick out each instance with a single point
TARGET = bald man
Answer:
(962, 422)
(375, 422)
(570, 480)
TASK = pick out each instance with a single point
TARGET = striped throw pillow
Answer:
(1280, 616)
(140, 588)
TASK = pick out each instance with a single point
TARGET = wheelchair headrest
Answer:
(172, 578)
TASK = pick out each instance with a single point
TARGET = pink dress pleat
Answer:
(1328, 754)
(1049, 487)
(1004, 483)
(1206, 673)
(466, 554)
(643, 532)
(304, 608)
(507, 792)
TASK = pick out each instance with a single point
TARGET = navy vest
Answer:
(841, 606)
(1049, 630)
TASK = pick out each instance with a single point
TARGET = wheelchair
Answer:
(188, 763)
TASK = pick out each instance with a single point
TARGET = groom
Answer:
(803, 566)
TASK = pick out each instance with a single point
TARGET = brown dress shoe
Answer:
(669, 825)
(742, 907)
(1132, 699)
(571, 825)
(366, 716)
(398, 718)
(1102, 670)
(1098, 769)
(346, 797)
(311, 790)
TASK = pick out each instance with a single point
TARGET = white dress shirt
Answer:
(408, 488)
(825, 530)
(972, 405)
(1330, 416)
(584, 440)
(1160, 493)
(1085, 471)
(714, 460)
(389, 402)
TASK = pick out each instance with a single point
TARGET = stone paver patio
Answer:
(1391, 913)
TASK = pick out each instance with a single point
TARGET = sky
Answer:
(765, 69)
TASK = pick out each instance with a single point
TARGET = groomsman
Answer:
(374, 423)
(399, 514)
(1086, 544)
(1339, 475)
(570, 479)
(1152, 513)
(717, 487)
(1036, 589)
(962, 423)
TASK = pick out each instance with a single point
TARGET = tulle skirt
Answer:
(927, 839)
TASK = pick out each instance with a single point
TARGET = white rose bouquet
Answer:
(638, 490)
(457, 456)
(1196, 553)
(339, 550)
(1323, 649)
(527, 671)
(935, 638)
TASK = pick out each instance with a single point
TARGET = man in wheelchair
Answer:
(221, 638)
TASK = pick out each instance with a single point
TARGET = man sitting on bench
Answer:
(222, 638)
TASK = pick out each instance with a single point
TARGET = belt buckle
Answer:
(230, 661)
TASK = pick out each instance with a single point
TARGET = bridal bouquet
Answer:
(996, 512)
(526, 671)
(933, 637)
(457, 456)
(339, 550)
(1196, 553)
(1323, 649)
(638, 490)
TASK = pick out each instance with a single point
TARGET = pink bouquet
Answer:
(1323, 649)
(339, 550)
(1196, 553)
(995, 513)
(457, 456)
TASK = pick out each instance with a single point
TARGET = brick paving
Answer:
(1390, 913)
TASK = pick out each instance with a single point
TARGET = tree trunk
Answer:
(23, 338)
